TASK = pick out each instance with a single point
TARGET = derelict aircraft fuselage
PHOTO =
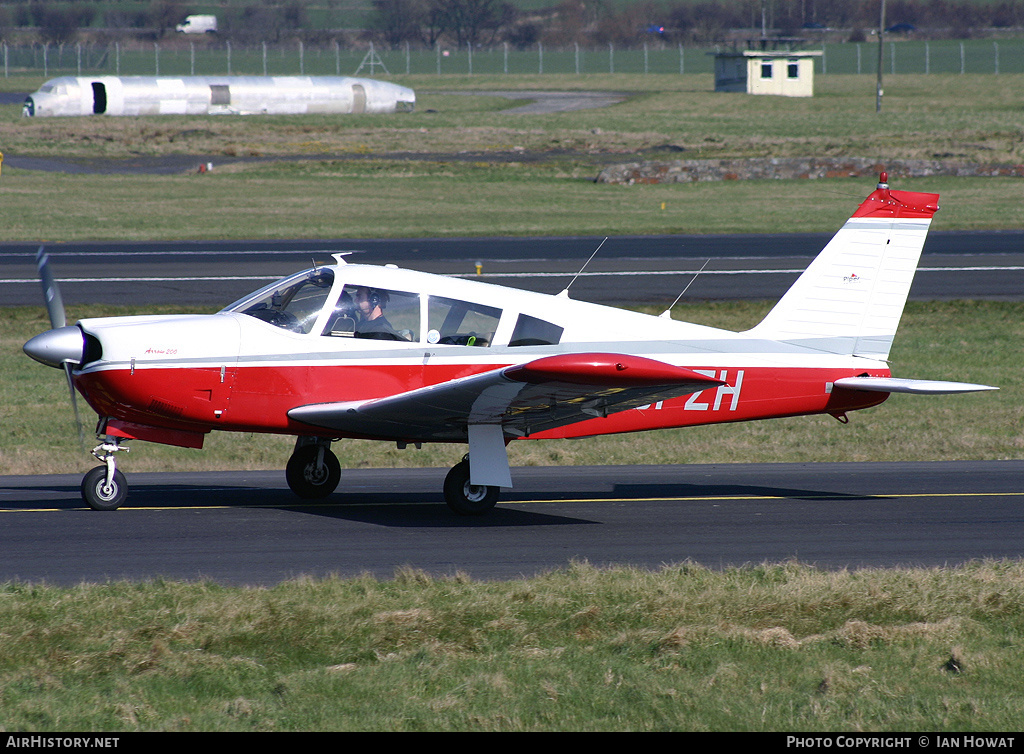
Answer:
(378, 352)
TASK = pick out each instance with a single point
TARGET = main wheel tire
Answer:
(100, 497)
(309, 480)
(468, 499)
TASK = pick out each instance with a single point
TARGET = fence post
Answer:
(540, 57)
(682, 60)
(577, 57)
(995, 48)
(961, 58)
(611, 58)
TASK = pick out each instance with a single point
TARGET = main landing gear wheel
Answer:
(313, 472)
(99, 495)
(464, 498)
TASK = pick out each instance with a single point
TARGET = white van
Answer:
(198, 25)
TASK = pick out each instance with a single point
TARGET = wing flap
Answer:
(916, 387)
(523, 398)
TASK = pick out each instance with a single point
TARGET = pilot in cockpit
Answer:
(370, 306)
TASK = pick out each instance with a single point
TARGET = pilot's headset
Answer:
(378, 298)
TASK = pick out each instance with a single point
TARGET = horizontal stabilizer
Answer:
(917, 387)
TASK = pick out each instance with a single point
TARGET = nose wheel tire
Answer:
(99, 495)
(468, 499)
(311, 477)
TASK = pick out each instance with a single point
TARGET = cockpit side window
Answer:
(375, 313)
(530, 331)
(294, 304)
(460, 323)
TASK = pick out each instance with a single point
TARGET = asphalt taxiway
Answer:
(247, 527)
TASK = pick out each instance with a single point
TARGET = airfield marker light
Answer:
(479, 267)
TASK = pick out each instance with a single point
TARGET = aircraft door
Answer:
(358, 98)
(99, 98)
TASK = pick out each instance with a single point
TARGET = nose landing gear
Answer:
(104, 488)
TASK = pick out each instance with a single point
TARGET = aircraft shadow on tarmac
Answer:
(410, 507)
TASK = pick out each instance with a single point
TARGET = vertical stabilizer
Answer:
(851, 297)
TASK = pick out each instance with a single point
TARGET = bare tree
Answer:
(401, 21)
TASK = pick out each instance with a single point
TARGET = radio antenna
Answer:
(565, 292)
(667, 314)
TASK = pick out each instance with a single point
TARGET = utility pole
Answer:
(878, 86)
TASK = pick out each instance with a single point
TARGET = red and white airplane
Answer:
(361, 351)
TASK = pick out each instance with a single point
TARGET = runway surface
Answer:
(247, 528)
(626, 270)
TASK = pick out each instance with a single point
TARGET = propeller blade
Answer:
(68, 367)
(51, 293)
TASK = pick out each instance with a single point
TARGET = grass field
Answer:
(764, 648)
(402, 175)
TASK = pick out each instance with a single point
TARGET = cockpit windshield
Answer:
(292, 304)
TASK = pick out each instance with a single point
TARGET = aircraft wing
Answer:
(523, 398)
(918, 387)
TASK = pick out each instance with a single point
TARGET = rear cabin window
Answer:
(531, 331)
(460, 323)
